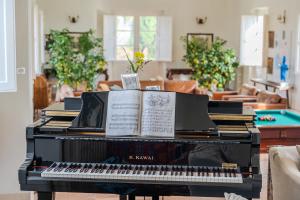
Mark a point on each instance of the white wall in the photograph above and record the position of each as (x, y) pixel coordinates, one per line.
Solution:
(276, 7)
(184, 15)
(16, 110)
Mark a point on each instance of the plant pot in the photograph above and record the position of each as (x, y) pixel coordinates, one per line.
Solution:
(77, 93)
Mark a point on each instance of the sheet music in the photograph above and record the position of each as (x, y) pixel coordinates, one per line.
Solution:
(123, 113)
(158, 114)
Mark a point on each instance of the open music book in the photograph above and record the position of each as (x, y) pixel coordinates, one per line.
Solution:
(144, 113)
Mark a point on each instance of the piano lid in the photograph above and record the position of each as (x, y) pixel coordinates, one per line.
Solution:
(191, 112)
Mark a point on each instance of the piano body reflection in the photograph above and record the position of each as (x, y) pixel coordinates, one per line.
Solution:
(216, 150)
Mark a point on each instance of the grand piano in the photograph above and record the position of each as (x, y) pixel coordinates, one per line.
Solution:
(215, 150)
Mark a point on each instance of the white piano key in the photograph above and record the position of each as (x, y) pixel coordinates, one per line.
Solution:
(179, 174)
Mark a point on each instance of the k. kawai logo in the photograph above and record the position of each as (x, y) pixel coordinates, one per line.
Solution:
(137, 157)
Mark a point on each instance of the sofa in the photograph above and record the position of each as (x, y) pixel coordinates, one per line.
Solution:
(264, 100)
(284, 174)
(190, 87)
(245, 91)
(253, 98)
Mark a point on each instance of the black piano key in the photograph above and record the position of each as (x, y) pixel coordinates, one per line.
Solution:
(135, 168)
(151, 170)
(172, 171)
(108, 170)
(139, 170)
(187, 171)
(234, 172)
(128, 169)
(154, 171)
(199, 171)
(166, 170)
(146, 170)
(120, 169)
(113, 169)
(192, 171)
(214, 172)
(124, 169)
(161, 170)
(181, 171)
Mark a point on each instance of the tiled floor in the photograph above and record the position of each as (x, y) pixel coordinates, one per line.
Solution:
(73, 196)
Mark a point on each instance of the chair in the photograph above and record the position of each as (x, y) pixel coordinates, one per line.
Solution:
(40, 94)
(284, 175)
(189, 87)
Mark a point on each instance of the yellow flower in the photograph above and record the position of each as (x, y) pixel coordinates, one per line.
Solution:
(139, 55)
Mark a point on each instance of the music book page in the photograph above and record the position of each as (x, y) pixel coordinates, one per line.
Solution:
(123, 113)
(158, 114)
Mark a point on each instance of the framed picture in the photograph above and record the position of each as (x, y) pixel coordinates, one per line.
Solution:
(270, 65)
(207, 37)
(130, 82)
(271, 39)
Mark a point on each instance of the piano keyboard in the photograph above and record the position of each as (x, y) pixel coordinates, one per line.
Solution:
(161, 173)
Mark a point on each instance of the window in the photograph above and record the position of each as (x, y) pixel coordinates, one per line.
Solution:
(124, 36)
(7, 46)
(252, 40)
(150, 34)
(298, 48)
(148, 37)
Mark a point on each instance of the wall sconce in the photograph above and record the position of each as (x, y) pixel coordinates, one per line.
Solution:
(282, 18)
(73, 19)
(201, 20)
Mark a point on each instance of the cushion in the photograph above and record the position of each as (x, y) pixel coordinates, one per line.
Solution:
(63, 92)
(115, 88)
(268, 97)
(102, 87)
(248, 90)
(298, 149)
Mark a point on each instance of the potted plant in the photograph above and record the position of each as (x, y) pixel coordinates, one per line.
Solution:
(76, 63)
(213, 65)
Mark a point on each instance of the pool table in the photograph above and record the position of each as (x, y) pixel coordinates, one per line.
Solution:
(285, 130)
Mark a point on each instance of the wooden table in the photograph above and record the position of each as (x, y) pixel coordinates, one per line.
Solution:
(275, 86)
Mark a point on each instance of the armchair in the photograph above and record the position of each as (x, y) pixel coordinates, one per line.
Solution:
(284, 173)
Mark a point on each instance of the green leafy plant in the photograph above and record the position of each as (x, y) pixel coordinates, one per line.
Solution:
(213, 65)
(79, 62)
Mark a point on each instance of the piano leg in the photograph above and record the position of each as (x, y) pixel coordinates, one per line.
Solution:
(155, 197)
(123, 197)
(131, 197)
(45, 196)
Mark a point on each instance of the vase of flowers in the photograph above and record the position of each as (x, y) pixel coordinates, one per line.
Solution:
(131, 80)
(138, 61)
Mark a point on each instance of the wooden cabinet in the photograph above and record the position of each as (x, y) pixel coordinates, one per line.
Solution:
(287, 136)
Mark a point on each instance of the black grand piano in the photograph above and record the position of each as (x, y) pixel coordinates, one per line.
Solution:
(215, 150)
